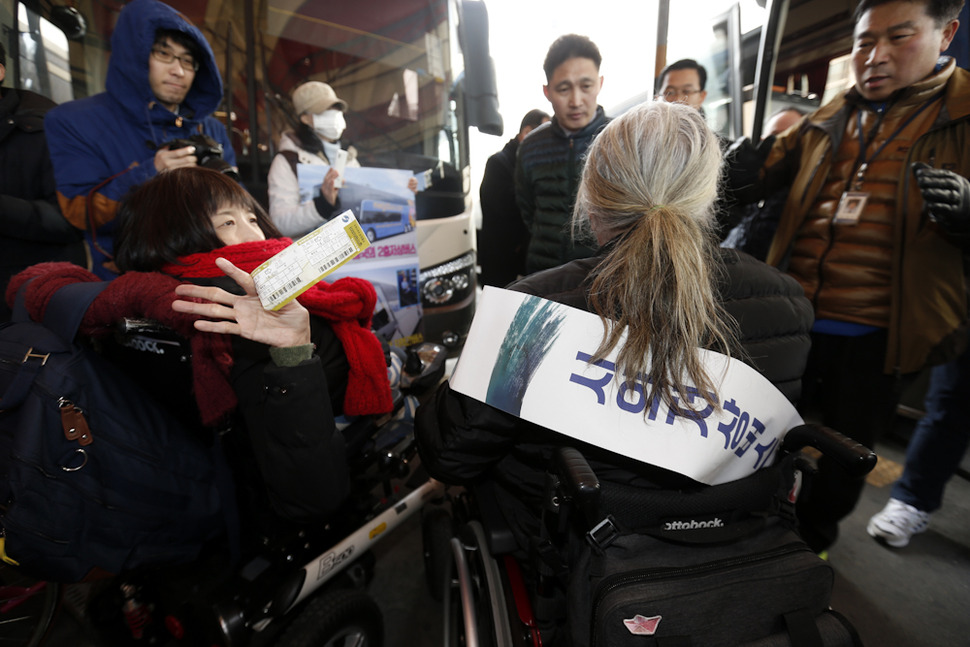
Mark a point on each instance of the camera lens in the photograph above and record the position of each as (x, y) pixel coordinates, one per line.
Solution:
(208, 154)
(221, 165)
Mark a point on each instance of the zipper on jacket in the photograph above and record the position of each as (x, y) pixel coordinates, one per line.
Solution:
(572, 161)
(811, 178)
(859, 164)
(619, 580)
(786, 259)
(564, 245)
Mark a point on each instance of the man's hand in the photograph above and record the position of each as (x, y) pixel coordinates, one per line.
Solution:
(946, 196)
(168, 159)
(744, 162)
(327, 189)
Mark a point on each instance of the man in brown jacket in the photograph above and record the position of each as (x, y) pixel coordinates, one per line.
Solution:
(873, 228)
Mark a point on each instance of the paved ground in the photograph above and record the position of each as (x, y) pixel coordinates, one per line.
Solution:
(916, 596)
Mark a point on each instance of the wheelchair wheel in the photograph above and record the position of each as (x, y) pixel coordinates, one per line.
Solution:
(436, 533)
(337, 618)
(27, 607)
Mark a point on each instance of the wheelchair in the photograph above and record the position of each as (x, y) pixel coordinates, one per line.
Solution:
(607, 550)
(285, 584)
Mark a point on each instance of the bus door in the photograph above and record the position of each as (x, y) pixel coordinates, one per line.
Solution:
(789, 54)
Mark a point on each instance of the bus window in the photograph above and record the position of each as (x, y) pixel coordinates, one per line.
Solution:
(40, 54)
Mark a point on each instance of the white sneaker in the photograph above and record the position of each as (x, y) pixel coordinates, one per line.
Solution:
(897, 522)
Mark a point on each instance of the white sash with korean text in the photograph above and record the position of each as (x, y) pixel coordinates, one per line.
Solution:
(530, 357)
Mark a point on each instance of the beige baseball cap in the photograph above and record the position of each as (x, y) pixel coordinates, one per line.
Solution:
(315, 97)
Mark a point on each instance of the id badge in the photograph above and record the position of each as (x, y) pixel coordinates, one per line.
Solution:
(850, 207)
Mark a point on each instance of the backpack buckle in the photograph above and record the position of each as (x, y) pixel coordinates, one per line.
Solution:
(603, 534)
(32, 355)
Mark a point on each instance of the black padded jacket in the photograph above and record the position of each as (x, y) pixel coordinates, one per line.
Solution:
(32, 229)
(464, 441)
(550, 163)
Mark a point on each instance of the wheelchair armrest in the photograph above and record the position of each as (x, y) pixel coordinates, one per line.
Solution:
(854, 458)
(578, 482)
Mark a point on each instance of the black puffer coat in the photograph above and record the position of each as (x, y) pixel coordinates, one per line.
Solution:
(503, 238)
(32, 229)
(462, 440)
(550, 163)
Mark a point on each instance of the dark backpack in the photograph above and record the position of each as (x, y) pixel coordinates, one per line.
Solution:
(716, 567)
(769, 589)
(94, 474)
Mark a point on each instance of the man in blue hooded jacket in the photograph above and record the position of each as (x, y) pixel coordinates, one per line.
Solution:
(162, 84)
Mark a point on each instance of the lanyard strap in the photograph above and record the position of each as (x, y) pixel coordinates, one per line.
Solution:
(863, 144)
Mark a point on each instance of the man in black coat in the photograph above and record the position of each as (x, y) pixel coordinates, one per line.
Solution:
(503, 239)
(550, 160)
(32, 229)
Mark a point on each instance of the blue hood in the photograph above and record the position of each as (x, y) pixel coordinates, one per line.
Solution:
(131, 45)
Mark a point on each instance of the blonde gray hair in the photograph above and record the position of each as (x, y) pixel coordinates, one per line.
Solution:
(650, 180)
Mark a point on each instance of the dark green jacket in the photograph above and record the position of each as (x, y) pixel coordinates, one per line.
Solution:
(550, 162)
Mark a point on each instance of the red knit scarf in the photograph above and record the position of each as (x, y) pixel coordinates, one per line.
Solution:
(347, 305)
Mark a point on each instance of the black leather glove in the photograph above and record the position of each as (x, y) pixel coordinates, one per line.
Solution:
(744, 162)
(946, 196)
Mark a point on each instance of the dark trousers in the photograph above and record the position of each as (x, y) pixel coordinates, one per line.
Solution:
(844, 388)
(940, 439)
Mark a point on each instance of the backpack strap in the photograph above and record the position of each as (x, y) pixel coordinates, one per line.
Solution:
(803, 629)
(66, 309)
(705, 515)
(708, 514)
(63, 316)
(292, 158)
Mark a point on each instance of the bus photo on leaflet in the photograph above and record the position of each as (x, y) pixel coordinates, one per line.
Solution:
(381, 219)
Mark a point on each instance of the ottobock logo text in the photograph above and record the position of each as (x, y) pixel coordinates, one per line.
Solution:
(693, 524)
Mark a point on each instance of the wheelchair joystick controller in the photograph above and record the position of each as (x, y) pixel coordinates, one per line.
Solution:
(413, 364)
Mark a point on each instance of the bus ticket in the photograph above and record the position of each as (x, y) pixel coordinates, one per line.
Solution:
(297, 268)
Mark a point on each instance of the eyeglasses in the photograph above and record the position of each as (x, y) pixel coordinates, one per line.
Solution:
(187, 61)
(672, 94)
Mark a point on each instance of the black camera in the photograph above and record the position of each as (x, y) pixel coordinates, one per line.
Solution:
(208, 153)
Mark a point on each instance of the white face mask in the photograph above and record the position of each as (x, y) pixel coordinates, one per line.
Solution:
(329, 124)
